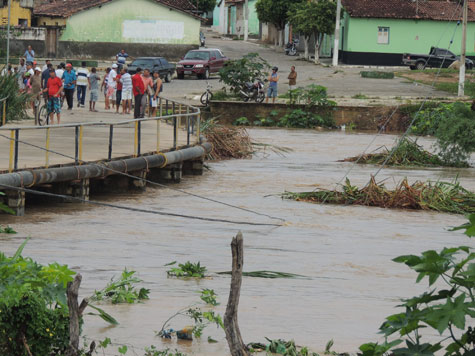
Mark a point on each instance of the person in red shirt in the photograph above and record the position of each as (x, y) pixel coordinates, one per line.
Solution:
(118, 94)
(54, 87)
(138, 89)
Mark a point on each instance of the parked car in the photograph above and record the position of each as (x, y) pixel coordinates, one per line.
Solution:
(202, 39)
(165, 69)
(437, 57)
(201, 62)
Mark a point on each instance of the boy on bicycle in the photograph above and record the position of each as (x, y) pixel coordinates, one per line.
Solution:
(54, 87)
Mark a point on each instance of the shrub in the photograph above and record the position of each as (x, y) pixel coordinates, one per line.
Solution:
(240, 71)
(17, 102)
(377, 74)
(427, 120)
(242, 121)
(455, 134)
(33, 306)
(299, 118)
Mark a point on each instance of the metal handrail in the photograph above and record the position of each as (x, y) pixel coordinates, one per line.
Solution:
(191, 112)
(4, 110)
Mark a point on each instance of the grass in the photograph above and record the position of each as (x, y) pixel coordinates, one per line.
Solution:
(377, 74)
(407, 154)
(439, 196)
(188, 269)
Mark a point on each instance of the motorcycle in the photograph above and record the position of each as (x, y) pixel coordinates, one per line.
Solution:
(253, 91)
(291, 48)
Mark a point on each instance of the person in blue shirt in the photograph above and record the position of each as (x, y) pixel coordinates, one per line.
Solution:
(29, 54)
(69, 83)
(273, 80)
(121, 59)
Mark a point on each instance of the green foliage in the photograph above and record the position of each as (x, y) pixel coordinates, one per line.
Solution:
(359, 96)
(153, 351)
(427, 120)
(7, 230)
(299, 118)
(377, 74)
(209, 297)
(246, 69)
(268, 121)
(189, 269)
(442, 309)
(223, 95)
(286, 348)
(122, 290)
(17, 102)
(33, 306)
(5, 208)
(469, 227)
(455, 134)
(206, 5)
(242, 121)
(274, 11)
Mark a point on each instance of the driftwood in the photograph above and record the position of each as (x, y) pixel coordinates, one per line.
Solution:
(231, 327)
(75, 314)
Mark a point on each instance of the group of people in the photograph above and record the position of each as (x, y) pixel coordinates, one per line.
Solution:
(57, 85)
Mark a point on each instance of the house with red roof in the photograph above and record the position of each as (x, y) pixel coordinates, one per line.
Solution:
(101, 28)
(378, 32)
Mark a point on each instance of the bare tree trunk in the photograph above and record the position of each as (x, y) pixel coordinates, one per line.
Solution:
(231, 327)
(317, 49)
(305, 43)
(75, 314)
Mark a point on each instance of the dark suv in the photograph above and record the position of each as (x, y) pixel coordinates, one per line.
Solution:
(153, 64)
(201, 62)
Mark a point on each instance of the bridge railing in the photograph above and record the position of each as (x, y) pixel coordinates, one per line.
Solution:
(3, 111)
(182, 116)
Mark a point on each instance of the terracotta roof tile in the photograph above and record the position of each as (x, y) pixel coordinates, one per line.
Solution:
(66, 8)
(439, 10)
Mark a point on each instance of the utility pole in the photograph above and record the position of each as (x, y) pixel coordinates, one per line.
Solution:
(8, 30)
(336, 46)
(461, 91)
(246, 19)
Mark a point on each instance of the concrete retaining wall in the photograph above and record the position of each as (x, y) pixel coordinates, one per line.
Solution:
(364, 117)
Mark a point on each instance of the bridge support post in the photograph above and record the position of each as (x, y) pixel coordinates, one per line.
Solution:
(80, 189)
(138, 184)
(15, 200)
(193, 167)
(169, 174)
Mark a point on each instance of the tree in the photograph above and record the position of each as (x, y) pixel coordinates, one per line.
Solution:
(276, 13)
(313, 17)
(206, 5)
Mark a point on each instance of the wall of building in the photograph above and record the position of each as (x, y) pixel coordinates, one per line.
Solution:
(51, 21)
(21, 38)
(360, 39)
(16, 13)
(253, 19)
(144, 22)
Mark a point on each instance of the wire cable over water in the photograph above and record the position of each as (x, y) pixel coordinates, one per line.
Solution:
(104, 166)
(123, 207)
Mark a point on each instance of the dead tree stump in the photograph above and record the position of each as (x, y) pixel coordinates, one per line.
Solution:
(231, 327)
(75, 314)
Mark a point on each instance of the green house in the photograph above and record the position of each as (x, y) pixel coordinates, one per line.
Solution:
(101, 28)
(378, 32)
(228, 17)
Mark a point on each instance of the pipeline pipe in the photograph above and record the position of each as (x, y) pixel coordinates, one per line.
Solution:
(100, 170)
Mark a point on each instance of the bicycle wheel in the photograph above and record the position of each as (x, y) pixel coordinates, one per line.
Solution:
(206, 97)
(43, 116)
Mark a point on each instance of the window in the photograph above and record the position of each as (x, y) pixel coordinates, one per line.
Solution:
(164, 62)
(383, 35)
(23, 22)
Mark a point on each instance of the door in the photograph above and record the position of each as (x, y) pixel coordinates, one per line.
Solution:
(51, 41)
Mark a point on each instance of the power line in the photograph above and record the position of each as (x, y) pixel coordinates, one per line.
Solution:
(122, 207)
(104, 166)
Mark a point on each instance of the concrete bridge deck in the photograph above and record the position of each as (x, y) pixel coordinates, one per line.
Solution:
(95, 145)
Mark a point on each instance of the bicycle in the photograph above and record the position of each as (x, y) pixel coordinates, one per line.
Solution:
(41, 114)
(207, 96)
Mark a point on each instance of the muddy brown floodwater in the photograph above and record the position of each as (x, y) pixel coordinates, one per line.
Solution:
(345, 252)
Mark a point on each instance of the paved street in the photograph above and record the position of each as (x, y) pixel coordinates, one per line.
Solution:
(344, 81)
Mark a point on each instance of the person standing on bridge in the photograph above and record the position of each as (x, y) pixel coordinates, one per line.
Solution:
(69, 80)
(273, 80)
(82, 83)
(54, 88)
(138, 88)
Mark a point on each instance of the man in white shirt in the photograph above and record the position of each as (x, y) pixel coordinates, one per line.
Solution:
(46, 65)
(112, 84)
(60, 70)
(127, 95)
(82, 83)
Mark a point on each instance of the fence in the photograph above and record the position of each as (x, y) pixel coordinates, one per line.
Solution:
(182, 116)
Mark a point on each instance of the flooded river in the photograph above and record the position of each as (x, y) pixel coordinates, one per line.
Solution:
(344, 252)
